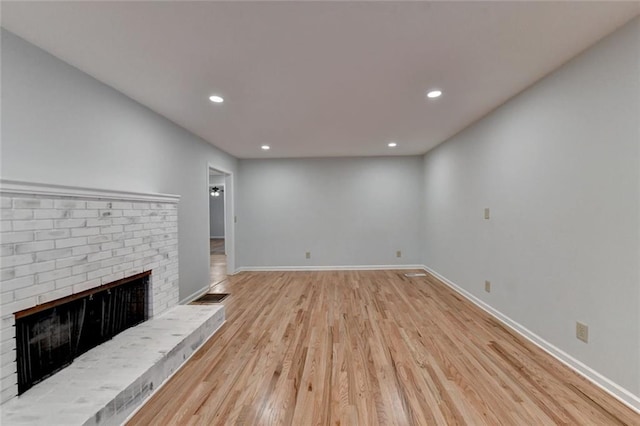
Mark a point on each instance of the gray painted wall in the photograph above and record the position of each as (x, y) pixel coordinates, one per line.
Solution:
(559, 167)
(345, 211)
(59, 125)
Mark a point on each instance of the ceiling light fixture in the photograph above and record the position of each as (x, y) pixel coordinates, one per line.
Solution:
(216, 99)
(392, 144)
(432, 94)
(265, 147)
(215, 191)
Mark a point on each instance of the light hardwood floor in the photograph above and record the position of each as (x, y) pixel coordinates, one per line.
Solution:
(218, 268)
(216, 246)
(367, 348)
(218, 260)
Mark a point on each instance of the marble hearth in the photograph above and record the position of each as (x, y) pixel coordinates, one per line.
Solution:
(106, 385)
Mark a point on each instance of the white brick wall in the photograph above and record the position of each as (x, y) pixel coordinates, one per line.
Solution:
(52, 246)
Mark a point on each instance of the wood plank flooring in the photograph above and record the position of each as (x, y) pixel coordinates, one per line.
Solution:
(368, 348)
(217, 268)
(216, 246)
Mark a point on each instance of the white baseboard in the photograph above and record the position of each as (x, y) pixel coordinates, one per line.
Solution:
(220, 237)
(623, 395)
(193, 296)
(325, 268)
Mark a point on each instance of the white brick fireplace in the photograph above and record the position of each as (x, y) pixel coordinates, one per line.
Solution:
(57, 241)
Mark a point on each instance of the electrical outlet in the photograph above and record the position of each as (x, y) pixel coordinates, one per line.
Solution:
(308, 255)
(487, 213)
(398, 253)
(487, 286)
(582, 332)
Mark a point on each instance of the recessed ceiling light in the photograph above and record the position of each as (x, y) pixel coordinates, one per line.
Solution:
(217, 99)
(434, 94)
(265, 147)
(392, 144)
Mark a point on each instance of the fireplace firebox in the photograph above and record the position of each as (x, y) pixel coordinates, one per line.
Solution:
(51, 335)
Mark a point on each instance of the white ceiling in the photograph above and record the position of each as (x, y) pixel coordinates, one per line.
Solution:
(316, 79)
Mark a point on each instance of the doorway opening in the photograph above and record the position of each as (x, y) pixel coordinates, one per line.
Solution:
(219, 238)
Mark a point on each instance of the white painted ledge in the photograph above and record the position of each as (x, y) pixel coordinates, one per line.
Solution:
(32, 188)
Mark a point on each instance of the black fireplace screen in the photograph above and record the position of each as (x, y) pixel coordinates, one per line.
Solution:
(49, 340)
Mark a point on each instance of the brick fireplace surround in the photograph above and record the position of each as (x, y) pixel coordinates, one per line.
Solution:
(57, 241)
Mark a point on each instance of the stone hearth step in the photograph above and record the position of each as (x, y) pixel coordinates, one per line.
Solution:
(106, 384)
